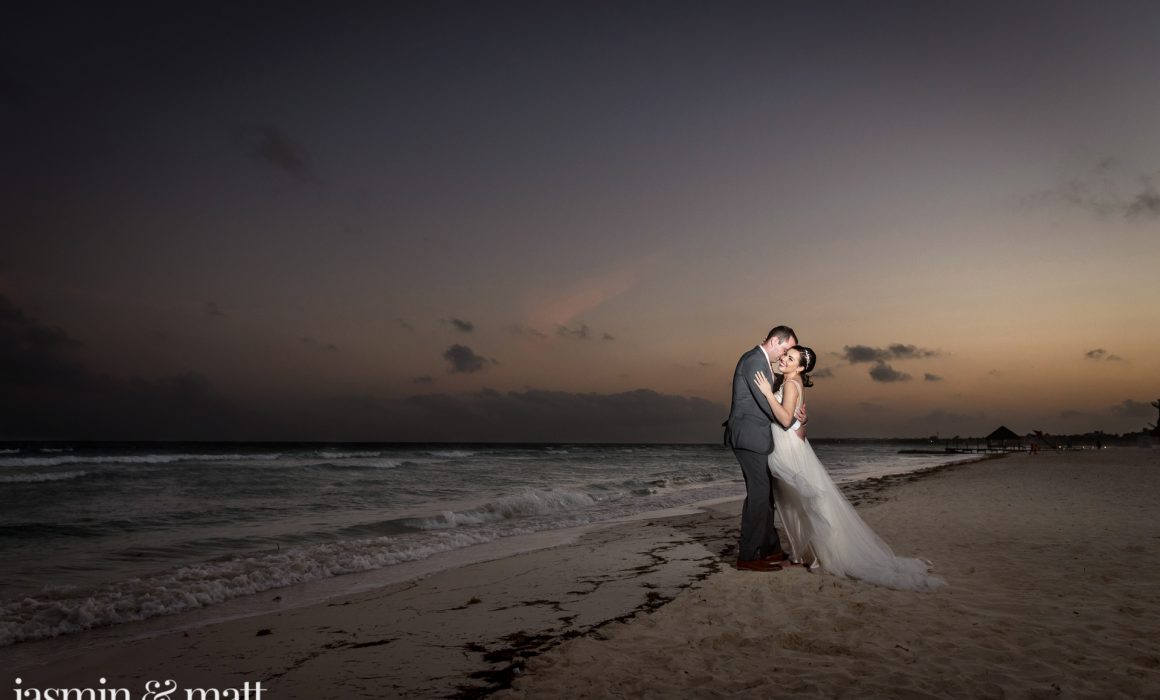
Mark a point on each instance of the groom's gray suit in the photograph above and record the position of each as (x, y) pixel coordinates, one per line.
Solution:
(747, 431)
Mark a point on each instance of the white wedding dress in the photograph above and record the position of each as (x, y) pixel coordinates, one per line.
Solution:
(823, 528)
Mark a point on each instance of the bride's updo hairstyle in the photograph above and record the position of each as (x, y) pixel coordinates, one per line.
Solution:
(807, 358)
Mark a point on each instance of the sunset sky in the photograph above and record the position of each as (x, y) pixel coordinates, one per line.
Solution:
(566, 221)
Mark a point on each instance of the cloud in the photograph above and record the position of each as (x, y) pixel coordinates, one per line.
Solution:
(1101, 354)
(931, 377)
(855, 354)
(50, 393)
(863, 353)
(1134, 409)
(460, 324)
(882, 372)
(270, 145)
(404, 325)
(1102, 193)
(902, 351)
(520, 329)
(580, 333)
(212, 308)
(425, 379)
(586, 294)
(1146, 205)
(463, 359)
(826, 373)
(538, 415)
(33, 354)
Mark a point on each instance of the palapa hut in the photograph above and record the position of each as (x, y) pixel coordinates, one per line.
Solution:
(1002, 435)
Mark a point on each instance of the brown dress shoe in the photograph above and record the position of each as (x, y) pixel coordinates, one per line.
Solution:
(775, 557)
(757, 565)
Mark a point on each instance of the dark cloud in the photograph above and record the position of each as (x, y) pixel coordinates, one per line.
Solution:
(900, 351)
(1134, 409)
(463, 359)
(460, 324)
(826, 373)
(535, 414)
(1146, 205)
(580, 333)
(706, 364)
(928, 377)
(50, 393)
(212, 308)
(270, 145)
(33, 354)
(519, 329)
(863, 353)
(882, 372)
(855, 354)
(1101, 354)
(1102, 192)
(404, 325)
(608, 336)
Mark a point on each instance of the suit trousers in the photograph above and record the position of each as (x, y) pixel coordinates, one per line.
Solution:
(758, 534)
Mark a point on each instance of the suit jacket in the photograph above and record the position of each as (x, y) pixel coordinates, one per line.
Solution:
(750, 416)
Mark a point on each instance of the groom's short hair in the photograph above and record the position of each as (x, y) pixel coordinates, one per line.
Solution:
(783, 333)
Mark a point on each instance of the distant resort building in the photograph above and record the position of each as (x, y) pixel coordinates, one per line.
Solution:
(1003, 440)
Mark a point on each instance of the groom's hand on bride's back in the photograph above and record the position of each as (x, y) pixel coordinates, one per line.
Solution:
(800, 414)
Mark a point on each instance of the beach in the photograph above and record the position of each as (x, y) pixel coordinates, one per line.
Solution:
(1052, 561)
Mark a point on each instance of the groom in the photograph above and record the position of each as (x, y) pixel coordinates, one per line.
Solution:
(747, 431)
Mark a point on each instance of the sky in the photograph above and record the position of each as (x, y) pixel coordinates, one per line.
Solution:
(566, 221)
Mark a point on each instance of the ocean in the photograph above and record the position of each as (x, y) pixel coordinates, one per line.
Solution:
(99, 534)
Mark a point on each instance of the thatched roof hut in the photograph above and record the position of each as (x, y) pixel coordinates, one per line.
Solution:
(1003, 439)
(1002, 434)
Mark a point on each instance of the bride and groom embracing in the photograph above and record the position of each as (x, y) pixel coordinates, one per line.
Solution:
(766, 430)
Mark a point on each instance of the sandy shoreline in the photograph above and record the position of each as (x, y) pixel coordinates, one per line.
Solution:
(1053, 562)
(462, 631)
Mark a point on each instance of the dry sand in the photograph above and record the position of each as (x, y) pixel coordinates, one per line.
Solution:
(1053, 563)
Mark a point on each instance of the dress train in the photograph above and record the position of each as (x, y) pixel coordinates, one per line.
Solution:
(823, 528)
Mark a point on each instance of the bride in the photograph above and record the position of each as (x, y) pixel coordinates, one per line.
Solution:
(823, 528)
